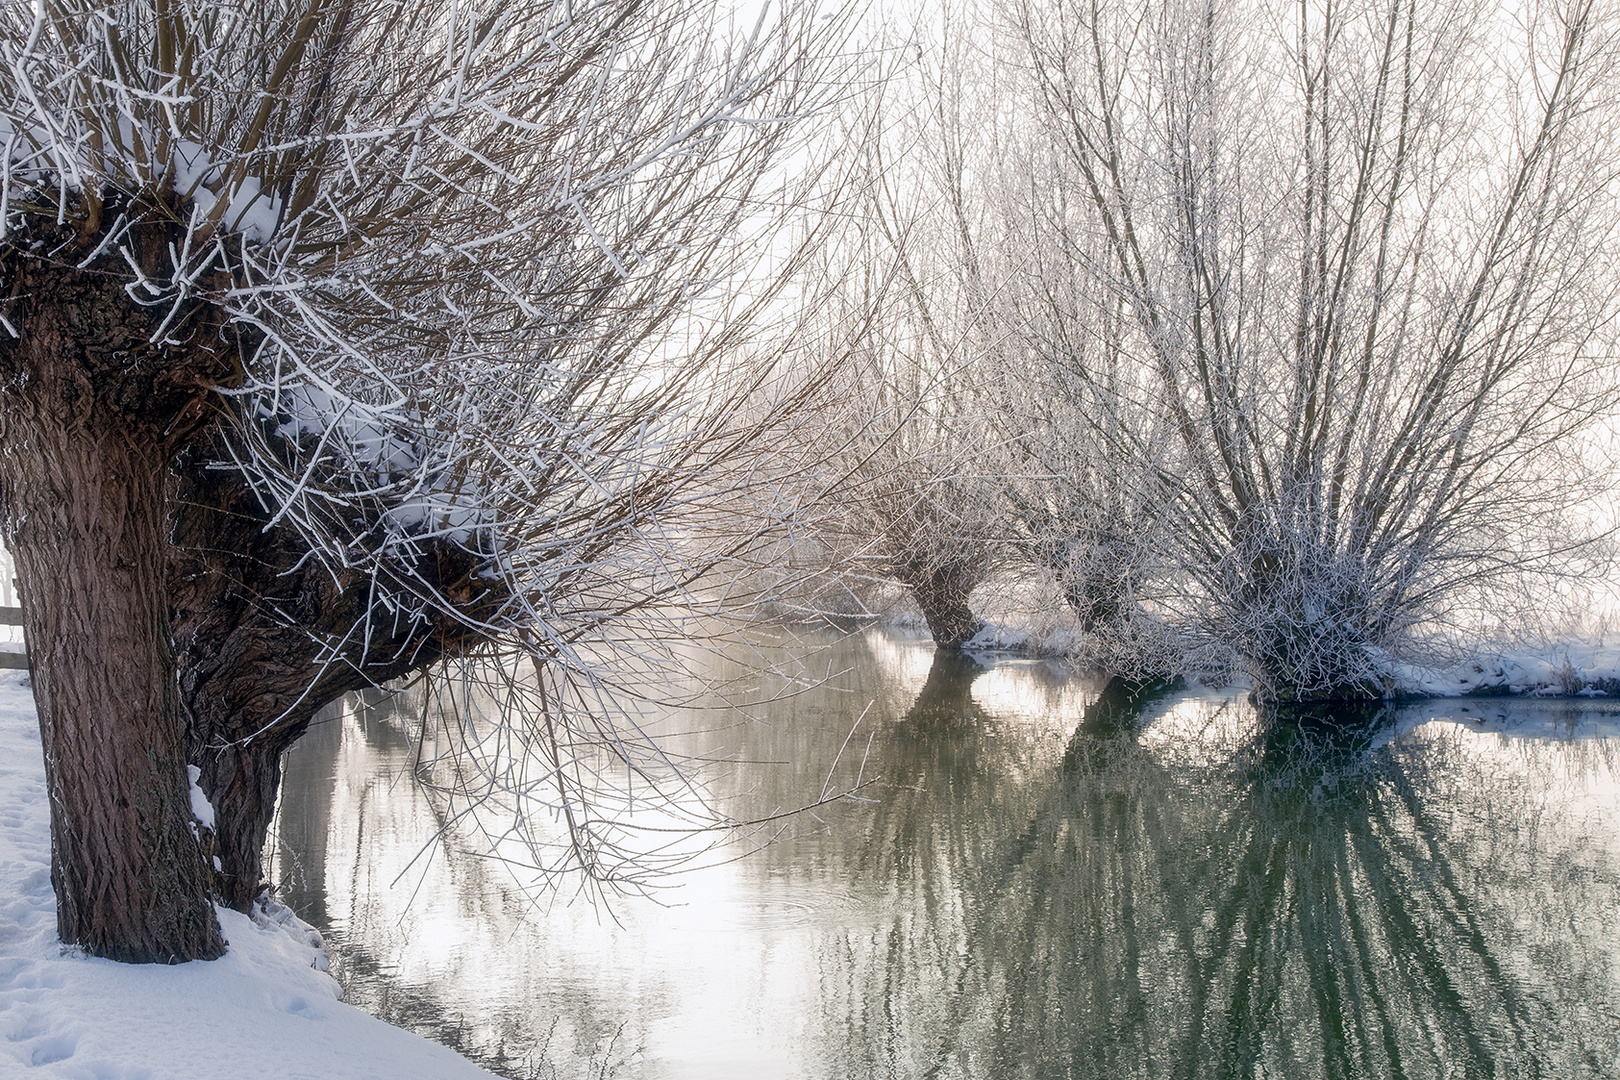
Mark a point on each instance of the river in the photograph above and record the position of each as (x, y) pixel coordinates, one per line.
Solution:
(1038, 885)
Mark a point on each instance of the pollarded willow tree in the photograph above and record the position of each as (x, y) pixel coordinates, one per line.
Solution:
(1052, 362)
(910, 499)
(917, 470)
(1367, 254)
(1091, 515)
(993, 364)
(447, 291)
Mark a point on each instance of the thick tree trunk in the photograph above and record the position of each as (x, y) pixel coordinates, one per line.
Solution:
(266, 638)
(129, 877)
(90, 410)
(1101, 606)
(264, 644)
(943, 597)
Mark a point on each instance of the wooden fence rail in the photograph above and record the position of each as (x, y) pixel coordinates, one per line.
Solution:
(12, 616)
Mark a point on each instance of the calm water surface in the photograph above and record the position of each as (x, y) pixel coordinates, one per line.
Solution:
(1044, 886)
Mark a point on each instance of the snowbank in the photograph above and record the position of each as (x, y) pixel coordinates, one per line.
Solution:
(1571, 668)
(1568, 669)
(266, 1009)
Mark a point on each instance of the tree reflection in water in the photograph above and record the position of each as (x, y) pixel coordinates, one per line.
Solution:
(1142, 884)
(1299, 903)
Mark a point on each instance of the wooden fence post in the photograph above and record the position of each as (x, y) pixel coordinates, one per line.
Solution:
(12, 616)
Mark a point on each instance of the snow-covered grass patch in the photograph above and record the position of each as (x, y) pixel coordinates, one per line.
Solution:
(1031, 637)
(268, 1007)
(1567, 669)
(1579, 669)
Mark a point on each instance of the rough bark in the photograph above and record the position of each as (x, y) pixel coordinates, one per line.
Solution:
(942, 594)
(266, 638)
(91, 412)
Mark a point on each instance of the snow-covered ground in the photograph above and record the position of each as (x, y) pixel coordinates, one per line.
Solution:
(265, 1009)
(1571, 668)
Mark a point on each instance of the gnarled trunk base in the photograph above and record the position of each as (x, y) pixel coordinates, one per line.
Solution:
(266, 638)
(943, 598)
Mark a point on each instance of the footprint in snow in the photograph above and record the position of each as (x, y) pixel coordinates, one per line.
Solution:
(25, 975)
(49, 1051)
(300, 1006)
(23, 1026)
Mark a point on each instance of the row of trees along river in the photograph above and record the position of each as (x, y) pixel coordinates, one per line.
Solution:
(1042, 882)
(534, 347)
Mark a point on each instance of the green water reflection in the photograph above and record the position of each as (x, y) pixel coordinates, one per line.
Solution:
(1046, 885)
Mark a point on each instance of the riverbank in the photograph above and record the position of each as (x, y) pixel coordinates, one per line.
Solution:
(1571, 668)
(266, 1009)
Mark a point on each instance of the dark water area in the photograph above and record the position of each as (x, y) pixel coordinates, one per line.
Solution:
(1040, 885)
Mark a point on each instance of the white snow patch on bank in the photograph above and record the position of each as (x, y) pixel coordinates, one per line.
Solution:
(1569, 668)
(266, 1008)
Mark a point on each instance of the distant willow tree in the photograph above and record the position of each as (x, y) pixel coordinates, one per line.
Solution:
(987, 433)
(440, 294)
(918, 470)
(912, 503)
(1365, 253)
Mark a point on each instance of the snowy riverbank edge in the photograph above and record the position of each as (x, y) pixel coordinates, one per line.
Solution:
(264, 1009)
(1565, 669)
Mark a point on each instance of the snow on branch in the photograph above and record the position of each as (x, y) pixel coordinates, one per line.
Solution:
(485, 264)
